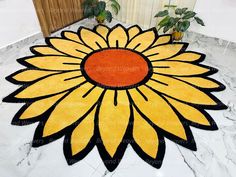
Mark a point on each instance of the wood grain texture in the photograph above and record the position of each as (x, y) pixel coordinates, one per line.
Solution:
(42, 17)
(56, 14)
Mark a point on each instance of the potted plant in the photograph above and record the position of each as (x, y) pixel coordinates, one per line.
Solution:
(178, 23)
(98, 9)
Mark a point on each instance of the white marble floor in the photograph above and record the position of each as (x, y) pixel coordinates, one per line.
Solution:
(215, 157)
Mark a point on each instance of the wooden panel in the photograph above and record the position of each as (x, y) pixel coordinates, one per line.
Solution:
(42, 17)
(56, 14)
(52, 13)
(78, 12)
(66, 11)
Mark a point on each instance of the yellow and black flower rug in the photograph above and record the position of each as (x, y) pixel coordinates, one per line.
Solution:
(113, 87)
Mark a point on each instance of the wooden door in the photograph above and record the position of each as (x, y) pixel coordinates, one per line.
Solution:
(56, 14)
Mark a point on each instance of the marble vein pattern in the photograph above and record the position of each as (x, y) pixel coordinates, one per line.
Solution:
(215, 157)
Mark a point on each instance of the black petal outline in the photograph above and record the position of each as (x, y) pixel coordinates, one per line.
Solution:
(112, 162)
(39, 140)
(157, 162)
(189, 143)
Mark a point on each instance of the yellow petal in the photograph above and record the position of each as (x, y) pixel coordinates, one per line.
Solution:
(200, 82)
(187, 56)
(92, 39)
(142, 41)
(57, 63)
(188, 112)
(102, 30)
(113, 120)
(177, 68)
(72, 36)
(39, 107)
(118, 37)
(82, 134)
(133, 31)
(71, 109)
(45, 50)
(70, 47)
(163, 51)
(32, 75)
(145, 135)
(52, 85)
(162, 40)
(156, 109)
(179, 90)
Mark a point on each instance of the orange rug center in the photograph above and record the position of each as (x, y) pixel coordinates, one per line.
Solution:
(116, 68)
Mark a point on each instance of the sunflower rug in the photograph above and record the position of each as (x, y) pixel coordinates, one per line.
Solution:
(110, 88)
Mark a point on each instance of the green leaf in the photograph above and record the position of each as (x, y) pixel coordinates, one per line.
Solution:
(88, 12)
(184, 10)
(177, 27)
(178, 11)
(101, 5)
(96, 11)
(114, 8)
(189, 14)
(162, 13)
(164, 21)
(171, 22)
(108, 16)
(116, 4)
(176, 20)
(186, 25)
(199, 21)
(183, 26)
(89, 2)
(165, 29)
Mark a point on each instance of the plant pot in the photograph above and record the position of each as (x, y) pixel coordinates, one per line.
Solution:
(100, 19)
(177, 35)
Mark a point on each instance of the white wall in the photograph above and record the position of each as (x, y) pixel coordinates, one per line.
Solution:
(219, 17)
(18, 20)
